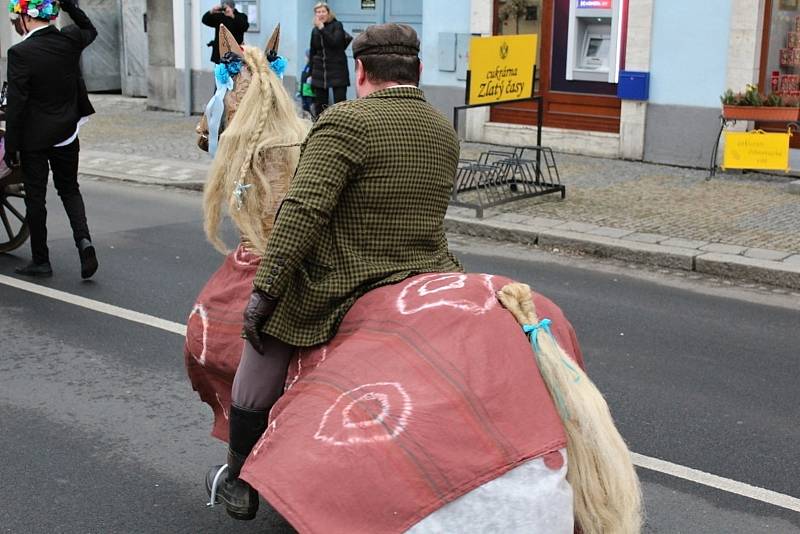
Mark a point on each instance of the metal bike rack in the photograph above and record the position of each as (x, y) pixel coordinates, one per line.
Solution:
(498, 177)
(501, 176)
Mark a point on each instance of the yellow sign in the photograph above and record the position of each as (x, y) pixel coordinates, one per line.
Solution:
(501, 68)
(756, 150)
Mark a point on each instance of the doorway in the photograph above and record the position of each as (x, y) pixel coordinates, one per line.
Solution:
(117, 60)
(574, 105)
(356, 15)
(134, 58)
(100, 62)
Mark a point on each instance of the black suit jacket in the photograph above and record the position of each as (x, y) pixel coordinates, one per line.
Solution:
(46, 92)
(237, 25)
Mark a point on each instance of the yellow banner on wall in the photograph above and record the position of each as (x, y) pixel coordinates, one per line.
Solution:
(501, 68)
(756, 150)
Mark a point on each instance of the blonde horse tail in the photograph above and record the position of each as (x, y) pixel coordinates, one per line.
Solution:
(607, 495)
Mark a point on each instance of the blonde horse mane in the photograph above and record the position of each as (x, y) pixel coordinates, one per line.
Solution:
(608, 497)
(256, 157)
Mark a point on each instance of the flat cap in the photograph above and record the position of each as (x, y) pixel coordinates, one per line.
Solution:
(381, 39)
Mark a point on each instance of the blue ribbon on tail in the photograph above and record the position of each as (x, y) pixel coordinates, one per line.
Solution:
(532, 331)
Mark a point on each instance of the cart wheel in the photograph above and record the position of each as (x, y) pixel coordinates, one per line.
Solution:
(13, 228)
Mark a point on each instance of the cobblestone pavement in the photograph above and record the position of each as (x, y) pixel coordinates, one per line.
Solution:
(125, 126)
(749, 210)
(637, 201)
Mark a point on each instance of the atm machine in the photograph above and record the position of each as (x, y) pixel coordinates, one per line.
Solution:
(593, 45)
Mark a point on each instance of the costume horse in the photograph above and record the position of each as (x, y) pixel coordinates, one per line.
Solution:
(448, 402)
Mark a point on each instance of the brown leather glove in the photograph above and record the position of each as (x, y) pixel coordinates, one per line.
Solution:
(259, 308)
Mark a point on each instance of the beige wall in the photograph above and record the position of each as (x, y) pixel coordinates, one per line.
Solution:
(481, 13)
(744, 48)
(633, 117)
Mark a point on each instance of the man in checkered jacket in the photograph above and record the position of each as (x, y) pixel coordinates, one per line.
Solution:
(366, 208)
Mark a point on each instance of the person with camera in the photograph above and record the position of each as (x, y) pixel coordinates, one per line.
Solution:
(227, 15)
(47, 103)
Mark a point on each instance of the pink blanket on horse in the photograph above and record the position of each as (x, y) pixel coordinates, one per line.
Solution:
(429, 390)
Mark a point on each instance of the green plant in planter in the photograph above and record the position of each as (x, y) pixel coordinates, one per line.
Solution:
(791, 101)
(774, 101)
(751, 97)
(729, 98)
(752, 105)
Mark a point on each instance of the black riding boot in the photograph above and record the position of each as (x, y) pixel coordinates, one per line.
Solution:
(240, 500)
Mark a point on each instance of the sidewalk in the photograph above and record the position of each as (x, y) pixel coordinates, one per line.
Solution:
(744, 226)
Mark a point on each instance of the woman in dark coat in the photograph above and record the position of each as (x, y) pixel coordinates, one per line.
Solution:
(328, 60)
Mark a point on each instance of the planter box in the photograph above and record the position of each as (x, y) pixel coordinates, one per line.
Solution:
(760, 113)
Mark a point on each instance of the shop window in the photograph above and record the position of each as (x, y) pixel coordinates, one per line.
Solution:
(521, 17)
(782, 53)
(251, 9)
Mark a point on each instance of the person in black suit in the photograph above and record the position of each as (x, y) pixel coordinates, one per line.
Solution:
(47, 103)
(225, 14)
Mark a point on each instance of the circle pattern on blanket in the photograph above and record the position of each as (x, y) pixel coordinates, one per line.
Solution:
(368, 410)
(370, 413)
(197, 344)
(472, 293)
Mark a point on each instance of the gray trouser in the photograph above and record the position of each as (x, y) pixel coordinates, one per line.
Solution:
(260, 378)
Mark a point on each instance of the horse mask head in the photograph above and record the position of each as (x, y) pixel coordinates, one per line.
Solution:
(256, 155)
(232, 78)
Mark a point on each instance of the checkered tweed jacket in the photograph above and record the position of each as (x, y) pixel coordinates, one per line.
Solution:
(366, 208)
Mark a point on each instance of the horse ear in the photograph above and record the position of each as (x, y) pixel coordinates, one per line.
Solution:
(274, 41)
(227, 43)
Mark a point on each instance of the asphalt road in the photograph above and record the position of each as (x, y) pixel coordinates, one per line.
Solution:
(100, 431)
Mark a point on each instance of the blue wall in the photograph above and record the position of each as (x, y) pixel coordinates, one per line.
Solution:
(302, 23)
(451, 16)
(295, 18)
(689, 52)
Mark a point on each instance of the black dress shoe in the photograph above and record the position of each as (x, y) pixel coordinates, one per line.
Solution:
(239, 498)
(41, 270)
(88, 258)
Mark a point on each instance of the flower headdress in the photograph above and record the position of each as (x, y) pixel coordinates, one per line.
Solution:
(38, 9)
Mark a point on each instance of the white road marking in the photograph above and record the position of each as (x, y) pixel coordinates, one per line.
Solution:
(713, 481)
(89, 304)
(653, 464)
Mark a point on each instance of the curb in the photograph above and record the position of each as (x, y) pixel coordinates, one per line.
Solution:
(532, 234)
(749, 268)
(132, 179)
(133, 168)
(725, 265)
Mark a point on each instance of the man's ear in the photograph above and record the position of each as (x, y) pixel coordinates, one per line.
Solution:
(361, 74)
(420, 69)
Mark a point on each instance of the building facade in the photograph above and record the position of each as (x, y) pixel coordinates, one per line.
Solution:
(180, 39)
(692, 52)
